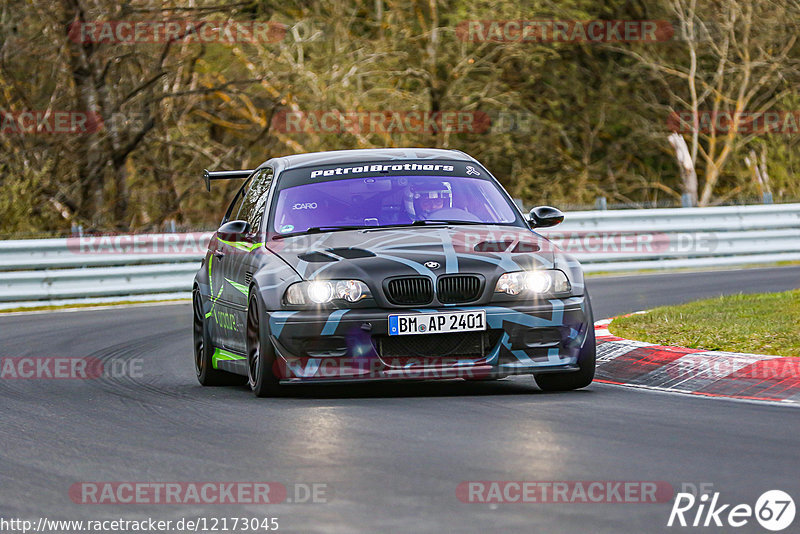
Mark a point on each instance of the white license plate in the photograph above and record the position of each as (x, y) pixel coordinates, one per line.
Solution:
(437, 323)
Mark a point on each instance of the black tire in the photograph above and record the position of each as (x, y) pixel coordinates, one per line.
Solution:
(260, 353)
(204, 348)
(586, 364)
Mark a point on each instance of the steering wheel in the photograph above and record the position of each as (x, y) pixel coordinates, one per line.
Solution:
(454, 214)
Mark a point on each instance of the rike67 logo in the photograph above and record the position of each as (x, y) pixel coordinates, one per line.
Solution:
(774, 510)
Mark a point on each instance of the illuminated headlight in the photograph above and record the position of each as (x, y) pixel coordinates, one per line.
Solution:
(325, 291)
(320, 292)
(533, 282)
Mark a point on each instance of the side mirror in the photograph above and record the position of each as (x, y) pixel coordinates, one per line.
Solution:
(545, 216)
(233, 230)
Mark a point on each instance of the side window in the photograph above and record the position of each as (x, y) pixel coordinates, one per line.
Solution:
(252, 209)
(236, 205)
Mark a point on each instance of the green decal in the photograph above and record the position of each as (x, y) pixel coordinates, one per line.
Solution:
(210, 280)
(226, 320)
(242, 288)
(211, 284)
(222, 354)
(247, 247)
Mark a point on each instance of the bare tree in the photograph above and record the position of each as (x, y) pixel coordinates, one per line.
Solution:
(740, 61)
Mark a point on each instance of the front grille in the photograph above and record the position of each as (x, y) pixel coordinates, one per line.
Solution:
(412, 290)
(454, 345)
(458, 289)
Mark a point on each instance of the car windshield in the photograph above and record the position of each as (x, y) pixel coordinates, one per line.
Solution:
(391, 201)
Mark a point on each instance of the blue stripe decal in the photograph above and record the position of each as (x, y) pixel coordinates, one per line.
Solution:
(558, 310)
(553, 356)
(495, 319)
(332, 322)
(451, 258)
(277, 320)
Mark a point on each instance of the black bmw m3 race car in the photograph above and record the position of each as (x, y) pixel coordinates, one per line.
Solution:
(386, 264)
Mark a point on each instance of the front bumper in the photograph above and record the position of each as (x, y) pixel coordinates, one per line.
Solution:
(353, 345)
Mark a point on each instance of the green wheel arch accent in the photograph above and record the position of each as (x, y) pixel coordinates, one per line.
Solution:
(222, 354)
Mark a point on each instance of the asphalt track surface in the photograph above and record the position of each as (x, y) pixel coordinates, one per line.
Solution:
(390, 455)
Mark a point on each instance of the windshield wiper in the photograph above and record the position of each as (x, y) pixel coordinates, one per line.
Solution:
(320, 229)
(422, 222)
(444, 221)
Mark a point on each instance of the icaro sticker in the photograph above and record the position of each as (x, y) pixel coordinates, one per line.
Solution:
(305, 206)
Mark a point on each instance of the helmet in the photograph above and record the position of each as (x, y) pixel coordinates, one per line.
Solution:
(424, 199)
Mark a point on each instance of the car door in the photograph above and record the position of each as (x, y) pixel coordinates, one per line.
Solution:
(238, 267)
(221, 254)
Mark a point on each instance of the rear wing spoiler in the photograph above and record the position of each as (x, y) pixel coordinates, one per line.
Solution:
(224, 175)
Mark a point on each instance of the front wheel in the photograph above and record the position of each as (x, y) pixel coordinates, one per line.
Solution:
(260, 353)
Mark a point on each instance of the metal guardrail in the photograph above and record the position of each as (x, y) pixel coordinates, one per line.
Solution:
(40, 272)
(625, 240)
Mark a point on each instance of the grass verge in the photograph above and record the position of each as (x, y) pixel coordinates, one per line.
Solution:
(768, 323)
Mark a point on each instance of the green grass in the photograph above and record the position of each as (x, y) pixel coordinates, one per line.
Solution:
(693, 269)
(763, 324)
(87, 305)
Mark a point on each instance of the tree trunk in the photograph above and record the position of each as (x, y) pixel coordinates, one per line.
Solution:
(686, 166)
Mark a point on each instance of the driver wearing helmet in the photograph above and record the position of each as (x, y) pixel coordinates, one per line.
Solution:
(423, 200)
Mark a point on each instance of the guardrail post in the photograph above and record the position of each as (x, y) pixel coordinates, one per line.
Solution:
(601, 204)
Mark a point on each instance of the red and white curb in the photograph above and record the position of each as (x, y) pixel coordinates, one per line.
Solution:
(753, 377)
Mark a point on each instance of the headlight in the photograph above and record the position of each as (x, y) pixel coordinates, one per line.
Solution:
(533, 282)
(325, 291)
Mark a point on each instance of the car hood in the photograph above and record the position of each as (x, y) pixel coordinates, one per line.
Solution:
(383, 252)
